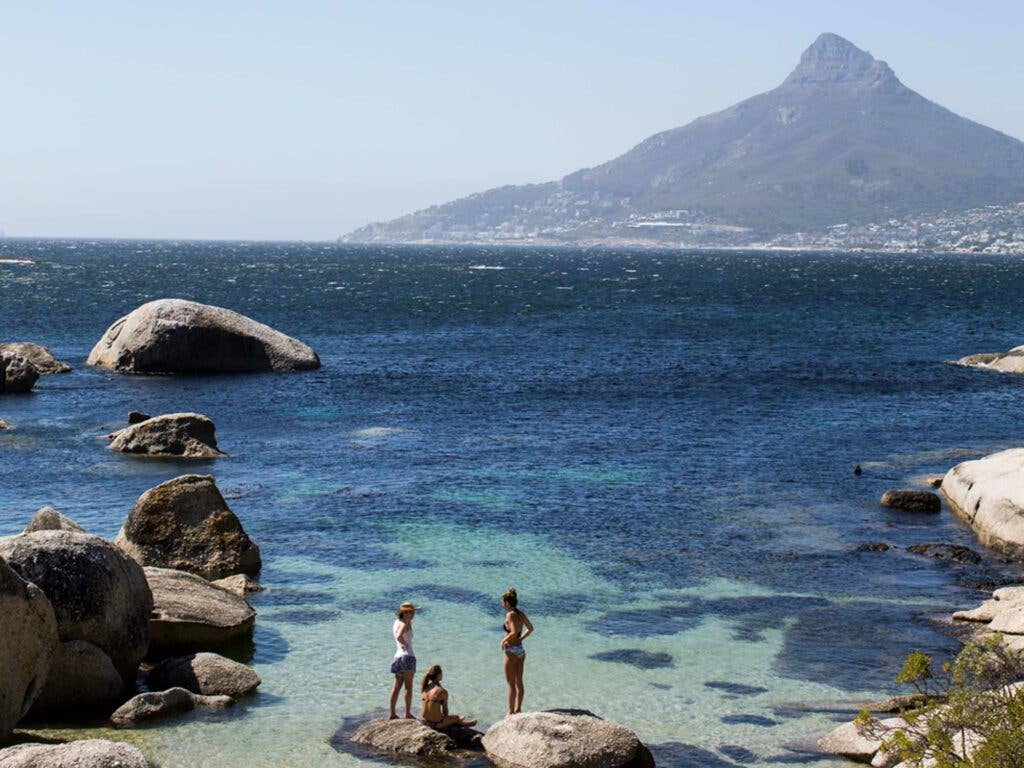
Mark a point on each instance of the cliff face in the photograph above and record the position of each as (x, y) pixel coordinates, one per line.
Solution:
(841, 140)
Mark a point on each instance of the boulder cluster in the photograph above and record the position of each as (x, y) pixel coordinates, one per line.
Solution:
(564, 738)
(80, 614)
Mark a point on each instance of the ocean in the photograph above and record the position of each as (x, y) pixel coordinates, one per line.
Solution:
(655, 448)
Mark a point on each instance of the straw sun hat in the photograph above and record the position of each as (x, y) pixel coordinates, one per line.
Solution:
(406, 607)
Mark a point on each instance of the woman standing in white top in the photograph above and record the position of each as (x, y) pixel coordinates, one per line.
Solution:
(403, 666)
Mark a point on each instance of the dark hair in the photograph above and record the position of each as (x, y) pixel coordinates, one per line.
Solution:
(430, 679)
(511, 597)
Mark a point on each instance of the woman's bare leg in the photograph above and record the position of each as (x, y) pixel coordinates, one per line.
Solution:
(520, 668)
(510, 676)
(394, 696)
(408, 695)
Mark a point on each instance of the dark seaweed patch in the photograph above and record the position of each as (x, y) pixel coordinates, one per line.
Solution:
(764, 722)
(739, 754)
(303, 616)
(675, 754)
(636, 657)
(735, 689)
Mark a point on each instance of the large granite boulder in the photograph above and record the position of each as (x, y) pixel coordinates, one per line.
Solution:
(99, 596)
(1004, 362)
(41, 358)
(206, 673)
(17, 374)
(178, 336)
(185, 524)
(564, 739)
(49, 519)
(90, 753)
(28, 640)
(178, 435)
(81, 676)
(191, 614)
(404, 738)
(988, 494)
(158, 704)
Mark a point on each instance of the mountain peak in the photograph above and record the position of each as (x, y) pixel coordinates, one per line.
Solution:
(834, 59)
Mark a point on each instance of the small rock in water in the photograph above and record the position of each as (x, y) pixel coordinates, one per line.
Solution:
(180, 435)
(135, 417)
(40, 357)
(874, 546)
(933, 481)
(4, 424)
(17, 374)
(410, 738)
(858, 471)
(941, 551)
(909, 500)
(241, 584)
(173, 701)
(208, 674)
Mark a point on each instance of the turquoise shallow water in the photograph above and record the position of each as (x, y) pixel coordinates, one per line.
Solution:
(659, 460)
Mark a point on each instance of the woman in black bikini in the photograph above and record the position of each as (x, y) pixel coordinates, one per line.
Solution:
(435, 703)
(517, 628)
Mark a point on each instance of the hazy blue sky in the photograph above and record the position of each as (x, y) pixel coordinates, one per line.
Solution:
(306, 119)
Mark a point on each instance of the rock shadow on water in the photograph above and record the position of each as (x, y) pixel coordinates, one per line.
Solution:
(735, 689)
(266, 645)
(636, 657)
(758, 720)
(303, 616)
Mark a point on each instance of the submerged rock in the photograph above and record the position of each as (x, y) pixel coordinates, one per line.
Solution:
(191, 614)
(409, 738)
(89, 753)
(179, 435)
(988, 494)
(28, 641)
(909, 500)
(206, 673)
(874, 546)
(49, 519)
(942, 551)
(41, 358)
(186, 525)
(99, 596)
(158, 704)
(178, 336)
(17, 374)
(564, 739)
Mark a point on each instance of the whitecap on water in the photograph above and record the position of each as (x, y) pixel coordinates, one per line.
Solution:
(378, 432)
(16, 261)
(484, 266)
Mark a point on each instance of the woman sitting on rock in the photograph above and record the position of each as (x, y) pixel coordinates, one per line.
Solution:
(403, 665)
(435, 703)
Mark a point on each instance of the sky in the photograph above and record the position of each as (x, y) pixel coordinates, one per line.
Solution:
(304, 120)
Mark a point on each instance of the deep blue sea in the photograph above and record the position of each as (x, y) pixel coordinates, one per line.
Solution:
(655, 448)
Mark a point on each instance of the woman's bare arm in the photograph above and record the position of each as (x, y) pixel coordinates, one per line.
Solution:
(528, 626)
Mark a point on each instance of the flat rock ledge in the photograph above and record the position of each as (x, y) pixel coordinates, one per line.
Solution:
(988, 494)
(173, 435)
(89, 753)
(160, 704)
(179, 336)
(40, 357)
(564, 739)
(208, 674)
(1002, 613)
(848, 741)
(1004, 362)
(191, 614)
